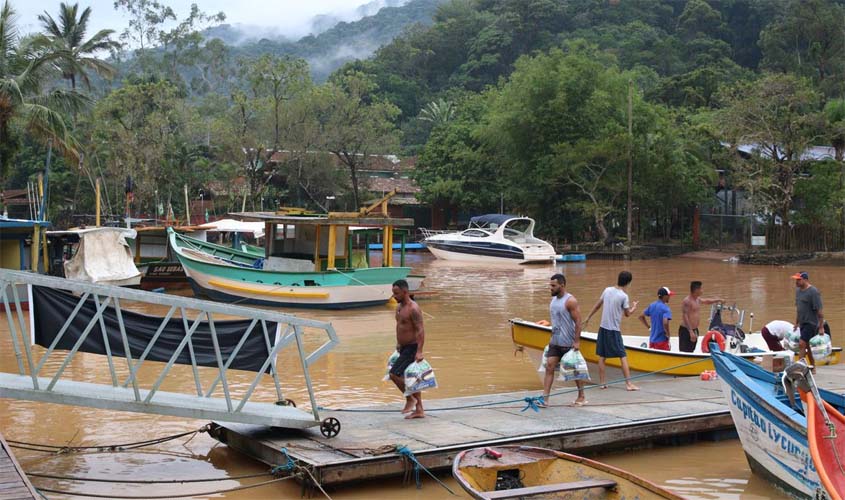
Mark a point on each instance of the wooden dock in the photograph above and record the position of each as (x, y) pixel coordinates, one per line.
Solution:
(664, 411)
(14, 484)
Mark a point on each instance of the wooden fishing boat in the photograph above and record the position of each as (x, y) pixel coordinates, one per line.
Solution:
(532, 338)
(826, 439)
(528, 472)
(225, 274)
(771, 424)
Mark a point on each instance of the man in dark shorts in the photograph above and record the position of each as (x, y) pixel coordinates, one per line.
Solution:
(566, 335)
(809, 318)
(614, 304)
(410, 337)
(691, 316)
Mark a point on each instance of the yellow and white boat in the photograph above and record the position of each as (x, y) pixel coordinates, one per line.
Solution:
(533, 338)
(499, 472)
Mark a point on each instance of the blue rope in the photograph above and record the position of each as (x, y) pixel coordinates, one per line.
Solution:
(532, 403)
(289, 466)
(407, 453)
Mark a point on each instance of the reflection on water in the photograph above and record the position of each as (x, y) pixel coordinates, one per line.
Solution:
(468, 343)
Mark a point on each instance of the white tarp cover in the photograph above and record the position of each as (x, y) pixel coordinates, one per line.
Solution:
(103, 256)
(235, 226)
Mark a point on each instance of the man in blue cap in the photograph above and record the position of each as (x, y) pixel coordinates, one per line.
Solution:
(809, 318)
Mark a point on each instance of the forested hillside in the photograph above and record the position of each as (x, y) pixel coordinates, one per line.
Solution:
(338, 44)
(546, 107)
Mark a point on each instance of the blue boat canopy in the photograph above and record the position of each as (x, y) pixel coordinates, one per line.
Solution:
(497, 219)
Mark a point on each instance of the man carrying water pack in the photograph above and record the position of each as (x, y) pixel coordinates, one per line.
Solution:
(566, 335)
(410, 337)
(809, 317)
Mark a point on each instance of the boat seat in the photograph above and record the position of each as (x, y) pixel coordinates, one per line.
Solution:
(551, 488)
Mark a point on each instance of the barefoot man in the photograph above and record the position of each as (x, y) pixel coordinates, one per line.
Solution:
(566, 335)
(691, 316)
(410, 337)
(614, 303)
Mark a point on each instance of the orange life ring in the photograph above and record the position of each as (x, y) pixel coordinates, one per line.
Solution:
(714, 336)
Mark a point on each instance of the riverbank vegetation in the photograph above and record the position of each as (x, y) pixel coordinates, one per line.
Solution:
(537, 106)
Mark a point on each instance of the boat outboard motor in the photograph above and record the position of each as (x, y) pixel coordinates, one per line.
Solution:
(732, 333)
(797, 376)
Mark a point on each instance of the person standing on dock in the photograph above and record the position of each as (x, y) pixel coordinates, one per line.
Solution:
(691, 316)
(660, 314)
(410, 336)
(614, 303)
(566, 335)
(809, 317)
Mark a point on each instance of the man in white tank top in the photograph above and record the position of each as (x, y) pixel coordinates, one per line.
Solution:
(566, 335)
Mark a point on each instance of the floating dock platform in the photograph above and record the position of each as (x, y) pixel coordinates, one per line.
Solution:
(14, 485)
(664, 411)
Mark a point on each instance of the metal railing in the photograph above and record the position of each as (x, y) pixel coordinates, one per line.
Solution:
(30, 384)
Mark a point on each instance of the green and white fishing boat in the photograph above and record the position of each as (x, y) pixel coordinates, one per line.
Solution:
(306, 263)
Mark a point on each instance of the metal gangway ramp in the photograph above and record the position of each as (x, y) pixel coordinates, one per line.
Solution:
(217, 400)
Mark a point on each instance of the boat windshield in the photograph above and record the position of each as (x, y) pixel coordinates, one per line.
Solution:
(518, 229)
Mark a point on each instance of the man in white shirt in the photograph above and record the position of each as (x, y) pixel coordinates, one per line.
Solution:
(774, 332)
(614, 303)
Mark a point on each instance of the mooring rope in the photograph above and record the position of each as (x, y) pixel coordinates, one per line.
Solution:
(146, 481)
(520, 400)
(50, 448)
(163, 497)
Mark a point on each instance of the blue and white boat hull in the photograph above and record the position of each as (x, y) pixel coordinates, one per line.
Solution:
(773, 435)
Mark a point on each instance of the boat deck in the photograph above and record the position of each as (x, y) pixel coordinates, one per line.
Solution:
(664, 411)
(14, 484)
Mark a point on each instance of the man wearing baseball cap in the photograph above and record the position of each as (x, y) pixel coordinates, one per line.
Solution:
(809, 318)
(660, 315)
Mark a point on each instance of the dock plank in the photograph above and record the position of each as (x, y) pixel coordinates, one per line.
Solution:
(664, 408)
(14, 484)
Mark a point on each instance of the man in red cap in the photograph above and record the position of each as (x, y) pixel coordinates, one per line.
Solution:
(809, 318)
(660, 315)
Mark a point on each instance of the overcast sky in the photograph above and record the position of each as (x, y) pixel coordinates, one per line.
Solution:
(290, 17)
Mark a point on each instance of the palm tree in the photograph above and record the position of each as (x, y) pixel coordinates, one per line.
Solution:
(24, 105)
(438, 112)
(66, 40)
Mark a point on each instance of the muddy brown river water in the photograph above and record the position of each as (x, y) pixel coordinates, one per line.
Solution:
(467, 342)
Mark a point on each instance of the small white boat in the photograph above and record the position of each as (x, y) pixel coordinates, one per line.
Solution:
(492, 238)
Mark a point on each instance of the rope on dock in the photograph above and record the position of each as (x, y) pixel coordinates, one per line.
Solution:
(409, 456)
(520, 400)
(58, 450)
(163, 497)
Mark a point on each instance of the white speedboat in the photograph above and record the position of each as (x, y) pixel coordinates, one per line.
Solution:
(493, 237)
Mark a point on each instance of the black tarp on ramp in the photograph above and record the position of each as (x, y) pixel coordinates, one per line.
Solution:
(50, 309)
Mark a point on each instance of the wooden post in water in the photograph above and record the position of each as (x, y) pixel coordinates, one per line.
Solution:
(317, 267)
(387, 247)
(630, 157)
(97, 202)
(187, 207)
(331, 246)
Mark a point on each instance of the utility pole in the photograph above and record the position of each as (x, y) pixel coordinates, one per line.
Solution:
(630, 156)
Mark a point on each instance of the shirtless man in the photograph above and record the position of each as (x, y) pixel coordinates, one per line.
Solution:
(691, 318)
(410, 337)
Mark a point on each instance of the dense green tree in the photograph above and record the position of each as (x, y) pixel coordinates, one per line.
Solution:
(777, 115)
(806, 38)
(354, 124)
